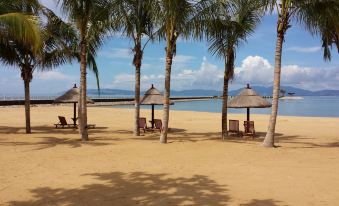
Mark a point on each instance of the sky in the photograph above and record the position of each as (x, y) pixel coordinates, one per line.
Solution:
(193, 66)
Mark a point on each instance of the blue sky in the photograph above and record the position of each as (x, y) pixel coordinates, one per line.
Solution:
(194, 67)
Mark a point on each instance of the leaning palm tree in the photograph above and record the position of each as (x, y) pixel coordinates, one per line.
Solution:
(91, 19)
(309, 13)
(232, 22)
(52, 53)
(18, 25)
(174, 18)
(136, 18)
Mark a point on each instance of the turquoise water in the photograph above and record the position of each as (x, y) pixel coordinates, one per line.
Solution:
(309, 106)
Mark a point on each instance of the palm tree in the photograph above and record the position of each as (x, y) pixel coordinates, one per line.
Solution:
(91, 18)
(310, 14)
(174, 18)
(234, 21)
(19, 26)
(137, 20)
(53, 52)
(327, 26)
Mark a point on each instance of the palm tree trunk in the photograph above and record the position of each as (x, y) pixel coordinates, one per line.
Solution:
(228, 74)
(165, 118)
(83, 86)
(27, 79)
(137, 63)
(224, 107)
(269, 139)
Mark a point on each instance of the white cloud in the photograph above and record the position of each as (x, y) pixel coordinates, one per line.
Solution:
(117, 53)
(183, 58)
(180, 60)
(54, 75)
(254, 70)
(207, 77)
(304, 49)
(126, 81)
(257, 70)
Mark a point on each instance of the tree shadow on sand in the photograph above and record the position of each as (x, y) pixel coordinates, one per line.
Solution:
(47, 129)
(267, 202)
(50, 142)
(54, 137)
(181, 135)
(135, 188)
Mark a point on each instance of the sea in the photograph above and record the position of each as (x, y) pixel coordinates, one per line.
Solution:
(309, 106)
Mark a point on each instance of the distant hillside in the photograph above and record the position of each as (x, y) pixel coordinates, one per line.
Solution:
(267, 91)
(110, 92)
(264, 91)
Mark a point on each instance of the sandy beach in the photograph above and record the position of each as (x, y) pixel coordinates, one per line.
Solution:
(53, 167)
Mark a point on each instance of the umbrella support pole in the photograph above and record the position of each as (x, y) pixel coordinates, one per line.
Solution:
(248, 114)
(75, 115)
(152, 116)
(248, 121)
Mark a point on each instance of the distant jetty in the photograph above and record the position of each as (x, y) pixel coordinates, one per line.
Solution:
(291, 98)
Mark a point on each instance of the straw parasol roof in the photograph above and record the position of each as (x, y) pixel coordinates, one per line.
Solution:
(71, 96)
(152, 97)
(248, 98)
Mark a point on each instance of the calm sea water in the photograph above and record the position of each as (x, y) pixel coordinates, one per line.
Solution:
(309, 106)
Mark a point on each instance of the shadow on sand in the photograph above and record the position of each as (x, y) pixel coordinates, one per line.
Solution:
(138, 188)
(56, 137)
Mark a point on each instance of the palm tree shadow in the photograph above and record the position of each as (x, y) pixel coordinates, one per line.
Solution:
(47, 129)
(50, 142)
(137, 188)
(54, 137)
(266, 202)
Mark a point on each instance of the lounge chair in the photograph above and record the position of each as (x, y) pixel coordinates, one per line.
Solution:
(89, 126)
(63, 123)
(142, 123)
(158, 124)
(233, 127)
(249, 128)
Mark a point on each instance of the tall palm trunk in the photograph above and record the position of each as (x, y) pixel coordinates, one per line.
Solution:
(83, 86)
(269, 139)
(228, 74)
(27, 77)
(165, 118)
(224, 108)
(137, 64)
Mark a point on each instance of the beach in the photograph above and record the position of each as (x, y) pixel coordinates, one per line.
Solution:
(53, 167)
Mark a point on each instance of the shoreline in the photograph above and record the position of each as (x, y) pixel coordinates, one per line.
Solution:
(125, 106)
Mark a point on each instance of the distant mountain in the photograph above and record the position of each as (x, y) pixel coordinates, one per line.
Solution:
(267, 91)
(193, 92)
(264, 91)
(110, 92)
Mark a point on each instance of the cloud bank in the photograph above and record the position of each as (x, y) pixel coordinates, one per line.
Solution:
(255, 70)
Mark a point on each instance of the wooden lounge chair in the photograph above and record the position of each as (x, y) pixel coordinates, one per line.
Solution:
(142, 123)
(233, 127)
(158, 125)
(63, 123)
(249, 128)
(89, 126)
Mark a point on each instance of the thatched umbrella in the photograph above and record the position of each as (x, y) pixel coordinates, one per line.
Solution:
(248, 98)
(152, 97)
(72, 96)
